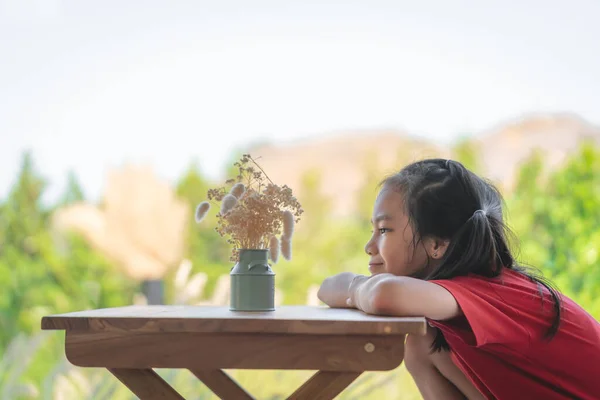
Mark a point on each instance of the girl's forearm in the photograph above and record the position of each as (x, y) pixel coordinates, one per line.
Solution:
(403, 296)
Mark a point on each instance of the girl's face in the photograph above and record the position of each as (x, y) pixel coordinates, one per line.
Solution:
(391, 247)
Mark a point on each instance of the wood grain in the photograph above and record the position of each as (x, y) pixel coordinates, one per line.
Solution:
(221, 384)
(235, 351)
(209, 319)
(324, 385)
(146, 384)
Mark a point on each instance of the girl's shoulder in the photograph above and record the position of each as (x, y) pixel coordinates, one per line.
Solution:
(511, 293)
(512, 306)
(510, 281)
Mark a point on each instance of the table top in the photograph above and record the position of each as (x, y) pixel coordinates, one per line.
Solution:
(311, 320)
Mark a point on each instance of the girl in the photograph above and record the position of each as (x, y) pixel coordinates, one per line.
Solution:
(439, 249)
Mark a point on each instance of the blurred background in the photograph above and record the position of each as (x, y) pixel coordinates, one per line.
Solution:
(116, 117)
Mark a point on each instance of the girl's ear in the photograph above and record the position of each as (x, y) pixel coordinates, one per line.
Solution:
(436, 247)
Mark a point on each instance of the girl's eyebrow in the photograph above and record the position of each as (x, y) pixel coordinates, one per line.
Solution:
(381, 217)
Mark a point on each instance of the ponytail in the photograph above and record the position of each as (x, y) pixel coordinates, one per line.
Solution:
(473, 249)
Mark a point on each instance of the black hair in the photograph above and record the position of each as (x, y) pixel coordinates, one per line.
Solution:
(445, 200)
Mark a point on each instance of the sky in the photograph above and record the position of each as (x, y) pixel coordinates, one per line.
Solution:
(88, 86)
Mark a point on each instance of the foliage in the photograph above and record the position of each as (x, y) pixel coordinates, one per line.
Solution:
(40, 275)
(556, 215)
(73, 193)
(204, 247)
(465, 150)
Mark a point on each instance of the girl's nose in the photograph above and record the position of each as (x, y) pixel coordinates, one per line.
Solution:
(369, 247)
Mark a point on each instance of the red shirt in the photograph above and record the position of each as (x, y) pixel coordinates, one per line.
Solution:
(499, 344)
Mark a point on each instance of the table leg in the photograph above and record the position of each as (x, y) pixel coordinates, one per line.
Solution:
(146, 384)
(221, 384)
(324, 385)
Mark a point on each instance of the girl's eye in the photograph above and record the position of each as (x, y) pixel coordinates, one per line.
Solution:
(383, 230)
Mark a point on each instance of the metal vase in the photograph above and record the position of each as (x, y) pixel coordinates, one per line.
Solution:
(252, 282)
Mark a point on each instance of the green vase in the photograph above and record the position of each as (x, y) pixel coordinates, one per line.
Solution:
(252, 282)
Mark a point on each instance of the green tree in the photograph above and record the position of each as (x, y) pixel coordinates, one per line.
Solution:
(37, 276)
(22, 220)
(466, 152)
(324, 243)
(368, 192)
(74, 192)
(208, 252)
(295, 276)
(556, 215)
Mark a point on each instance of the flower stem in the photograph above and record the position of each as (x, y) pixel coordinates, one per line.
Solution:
(259, 167)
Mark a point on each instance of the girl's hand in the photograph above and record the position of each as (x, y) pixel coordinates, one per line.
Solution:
(334, 291)
(361, 290)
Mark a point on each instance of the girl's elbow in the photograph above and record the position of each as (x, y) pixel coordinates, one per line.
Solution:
(379, 305)
(387, 298)
(383, 299)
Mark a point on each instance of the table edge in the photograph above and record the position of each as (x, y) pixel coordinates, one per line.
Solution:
(416, 325)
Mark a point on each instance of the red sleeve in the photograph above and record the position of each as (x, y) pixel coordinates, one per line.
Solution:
(496, 311)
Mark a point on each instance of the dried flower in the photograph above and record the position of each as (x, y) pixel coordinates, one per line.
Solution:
(227, 204)
(286, 248)
(238, 190)
(274, 249)
(254, 209)
(288, 225)
(202, 210)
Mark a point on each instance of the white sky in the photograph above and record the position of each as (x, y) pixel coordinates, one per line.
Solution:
(88, 85)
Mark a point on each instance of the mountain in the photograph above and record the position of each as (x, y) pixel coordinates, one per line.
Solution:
(342, 160)
(505, 147)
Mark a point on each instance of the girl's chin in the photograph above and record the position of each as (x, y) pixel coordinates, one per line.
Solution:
(376, 271)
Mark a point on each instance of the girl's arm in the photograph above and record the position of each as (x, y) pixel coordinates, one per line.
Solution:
(334, 291)
(401, 296)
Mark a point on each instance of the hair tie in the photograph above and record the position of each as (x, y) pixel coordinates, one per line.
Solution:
(480, 211)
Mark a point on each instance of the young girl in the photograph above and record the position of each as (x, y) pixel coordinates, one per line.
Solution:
(439, 249)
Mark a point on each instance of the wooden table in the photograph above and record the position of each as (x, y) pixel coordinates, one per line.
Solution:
(129, 341)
